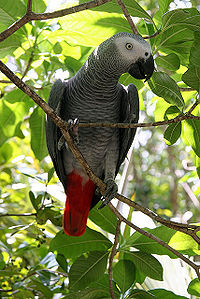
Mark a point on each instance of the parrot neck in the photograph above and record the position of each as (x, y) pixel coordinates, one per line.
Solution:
(98, 79)
(101, 71)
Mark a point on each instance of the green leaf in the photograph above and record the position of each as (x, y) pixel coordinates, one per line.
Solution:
(180, 16)
(146, 263)
(124, 274)
(178, 27)
(126, 79)
(194, 287)
(170, 62)
(148, 245)
(198, 165)
(9, 13)
(72, 247)
(104, 218)
(9, 45)
(35, 201)
(62, 261)
(39, 6)
(171, 112)
(133, 7)
(192, 134)
(37, 285)
(89, 293)
(172, 133)
(76, 27)
(140, 294)
(184, 243)
(38, 139)
(163, 5)
(161, 293)
(192, 77)
(57, 48)
(160, 110)
(194, 52)
(13, 109)
(87, 269)
(103, 283)
(164, 86)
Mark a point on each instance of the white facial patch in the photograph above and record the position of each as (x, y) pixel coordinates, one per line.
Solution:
(139, 49)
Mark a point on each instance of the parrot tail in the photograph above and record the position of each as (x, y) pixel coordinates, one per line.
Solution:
(78, 203)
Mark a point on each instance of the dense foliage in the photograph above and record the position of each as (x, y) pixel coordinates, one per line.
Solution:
(37, 260)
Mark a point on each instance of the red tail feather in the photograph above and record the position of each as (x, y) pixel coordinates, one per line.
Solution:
(77, 206)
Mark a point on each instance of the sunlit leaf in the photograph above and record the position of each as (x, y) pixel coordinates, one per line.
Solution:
(194, 287)
(38, 138)
(104, 218)
(72, 246)
(192, 134)
(170, 62)
(184, 243)
(133, 7)
(9, 13)
(172, 133)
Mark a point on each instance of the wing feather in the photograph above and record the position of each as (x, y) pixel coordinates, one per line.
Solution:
(129, 114)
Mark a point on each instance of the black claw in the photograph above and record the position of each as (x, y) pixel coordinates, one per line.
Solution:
(105, 202)
(73, 129)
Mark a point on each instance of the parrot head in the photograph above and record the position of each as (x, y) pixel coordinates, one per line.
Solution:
(128, 53)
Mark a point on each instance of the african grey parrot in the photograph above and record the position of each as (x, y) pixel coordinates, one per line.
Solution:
(95, 95)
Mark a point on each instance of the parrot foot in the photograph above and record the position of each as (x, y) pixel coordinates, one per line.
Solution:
(61, 143)
(73, 129)
(110, 193)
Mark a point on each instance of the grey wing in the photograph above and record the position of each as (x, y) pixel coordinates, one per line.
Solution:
(129, 114)
(53, 133)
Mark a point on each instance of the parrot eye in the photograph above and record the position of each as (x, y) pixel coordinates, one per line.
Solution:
(129, 46)
(146, 53)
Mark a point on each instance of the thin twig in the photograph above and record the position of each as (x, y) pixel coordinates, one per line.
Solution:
(188, 229)
(186, 89)
(153, 35)
(128, 17)
(29, 6)
(113, 252)
(178, 118)
(157, 240)
(20, 215)
(28, 66)
(31, 16)
(5, 81)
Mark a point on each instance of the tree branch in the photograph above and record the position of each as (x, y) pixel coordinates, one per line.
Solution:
(157, 240)
(29, 6)
(31, 16)
(113, 252)
(128, 17)
(141, 125)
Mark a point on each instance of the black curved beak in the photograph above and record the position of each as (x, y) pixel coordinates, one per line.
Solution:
(142, 69)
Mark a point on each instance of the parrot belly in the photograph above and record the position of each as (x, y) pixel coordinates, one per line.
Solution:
(78, 202)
